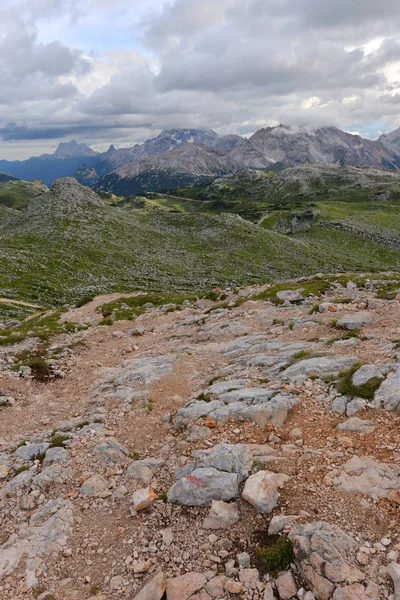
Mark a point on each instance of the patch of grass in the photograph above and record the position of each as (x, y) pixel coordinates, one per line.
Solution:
(314, 309)
(84, 300)
(21, 469)
(57, 441)
(275, 558)
(44, 327)
(301, 355)
(40, 456)
(278, 322)
(333, 323)
(219, 377)
(347, 388)
(95, 589)
(128, 308)
(106, 321)
(163, 496)
(134, 455)
(204, 397)
(352, 333)
(221, 305)
(315, 286)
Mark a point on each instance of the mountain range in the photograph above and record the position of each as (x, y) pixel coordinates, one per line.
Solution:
(180, 157)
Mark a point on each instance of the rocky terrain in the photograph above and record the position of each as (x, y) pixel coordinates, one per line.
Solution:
(241, 447)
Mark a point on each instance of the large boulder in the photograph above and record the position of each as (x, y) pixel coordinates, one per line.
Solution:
(203, 485)
(232, 458)
(324, 555)
(354, 320)
(387, 395)
(367, 372)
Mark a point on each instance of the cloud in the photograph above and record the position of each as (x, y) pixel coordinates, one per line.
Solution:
(233, 65)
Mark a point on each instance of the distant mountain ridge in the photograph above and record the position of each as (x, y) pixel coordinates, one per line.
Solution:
(268, 148)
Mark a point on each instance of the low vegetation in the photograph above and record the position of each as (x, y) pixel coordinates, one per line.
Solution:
(275, 558)
(347, 388)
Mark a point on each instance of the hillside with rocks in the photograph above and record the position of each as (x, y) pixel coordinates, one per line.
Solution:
(241, 446)
(79, 246)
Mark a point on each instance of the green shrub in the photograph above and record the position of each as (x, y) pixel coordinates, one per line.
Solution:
(57, 441)
(347, 388)
(275, 558)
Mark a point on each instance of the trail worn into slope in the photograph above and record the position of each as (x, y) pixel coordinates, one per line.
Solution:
(118, 420)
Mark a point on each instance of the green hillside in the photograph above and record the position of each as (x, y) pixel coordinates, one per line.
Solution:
(17, 194)
(68, 243)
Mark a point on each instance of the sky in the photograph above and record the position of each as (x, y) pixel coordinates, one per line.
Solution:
(120, 71)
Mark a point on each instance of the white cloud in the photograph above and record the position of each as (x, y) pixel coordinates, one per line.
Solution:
(234, 65)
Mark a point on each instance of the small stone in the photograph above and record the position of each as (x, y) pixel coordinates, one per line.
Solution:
(243, 560)
(215, 587)
(143, 498)
(269, 592)
(4, 471)
(222, 515)
(167, 536)
(261, 490)
(249, 576)
(286, 585)
(94, 485)
(233, 587)
(141, 566)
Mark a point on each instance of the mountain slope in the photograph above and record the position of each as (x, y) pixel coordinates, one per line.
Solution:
(77, 245)
(300, 145)
(187, 164)
(167, 140)
(6, 177)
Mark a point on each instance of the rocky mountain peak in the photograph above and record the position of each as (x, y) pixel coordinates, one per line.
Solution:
(72, 148)
(65, 195)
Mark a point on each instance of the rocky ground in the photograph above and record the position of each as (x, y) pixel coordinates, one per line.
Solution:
(170, 450)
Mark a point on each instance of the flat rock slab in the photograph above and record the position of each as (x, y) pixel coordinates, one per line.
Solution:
(366, 476)
(354, 320)
(110, 451)
(358, 425)
(290, 296)
(46, 535)
(319, 365)
(222, 515)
